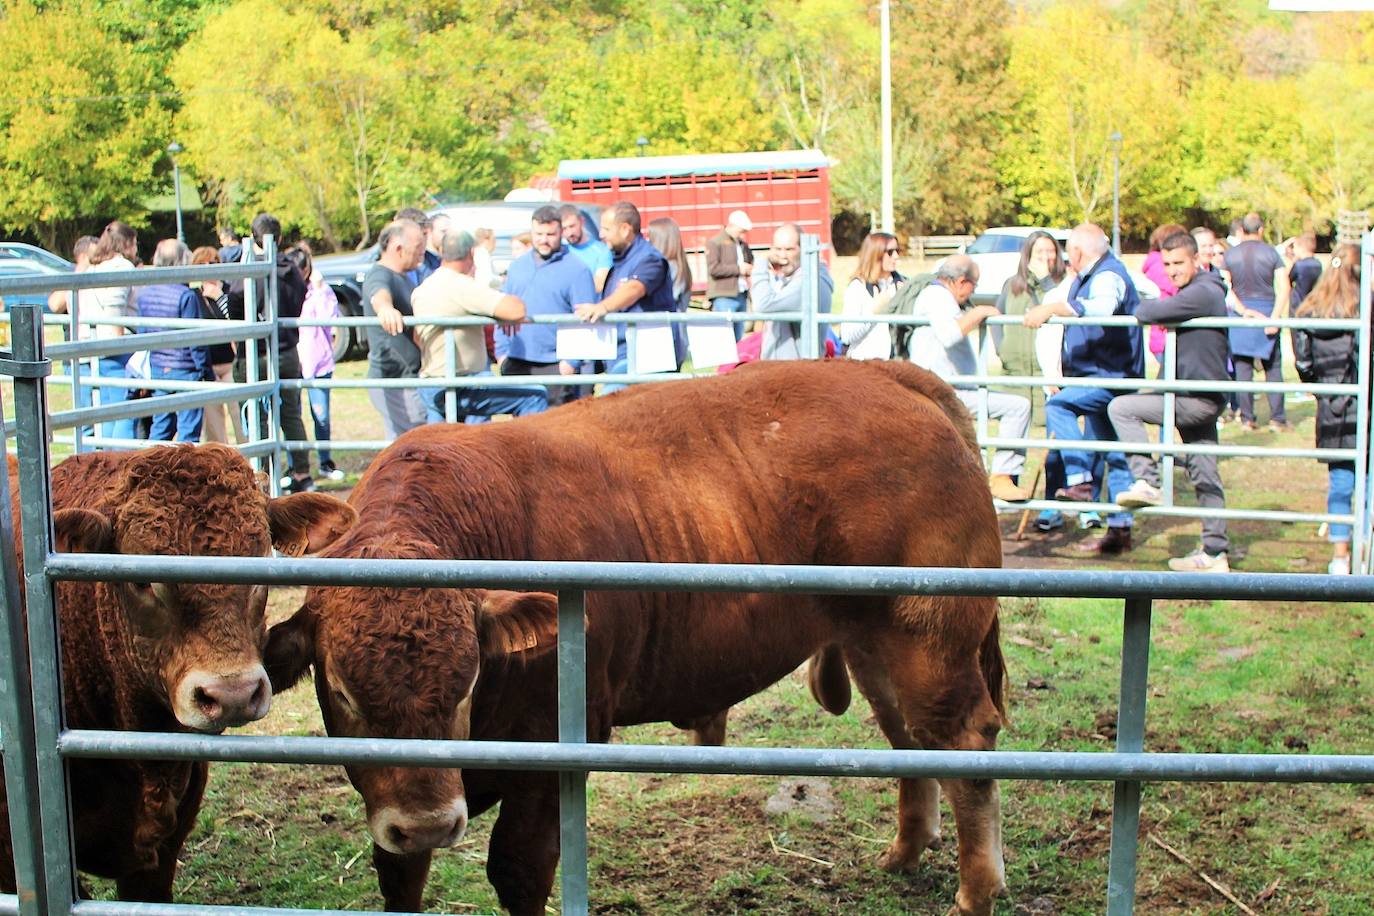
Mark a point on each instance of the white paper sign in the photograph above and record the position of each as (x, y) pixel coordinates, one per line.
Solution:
(653, 348)
(586, 341)
(711, 344)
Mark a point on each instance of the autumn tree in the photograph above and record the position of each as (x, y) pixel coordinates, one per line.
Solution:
(1083, 77)
(81, 128)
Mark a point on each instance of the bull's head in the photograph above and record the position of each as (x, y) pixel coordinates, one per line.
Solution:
(404, 663)
(198, 647)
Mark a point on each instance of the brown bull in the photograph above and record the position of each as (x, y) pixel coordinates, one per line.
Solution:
(154, 656)
(840, 463)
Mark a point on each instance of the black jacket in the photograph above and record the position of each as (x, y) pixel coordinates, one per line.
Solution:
(1334, 354)
(1202, 352)
(290, 299)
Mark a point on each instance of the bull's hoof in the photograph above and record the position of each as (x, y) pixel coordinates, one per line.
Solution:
(903, 856)
(963, 906)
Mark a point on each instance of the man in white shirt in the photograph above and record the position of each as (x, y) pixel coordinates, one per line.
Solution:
(453, 292)
(944, 348)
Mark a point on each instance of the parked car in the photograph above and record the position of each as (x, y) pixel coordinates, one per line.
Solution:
(505, 218)
(24, 252)
(18, 259)
(997, 252)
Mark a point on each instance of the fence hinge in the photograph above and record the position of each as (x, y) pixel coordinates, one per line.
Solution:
(20, 368)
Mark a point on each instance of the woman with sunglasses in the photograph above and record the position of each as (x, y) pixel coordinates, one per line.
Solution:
(870, 292)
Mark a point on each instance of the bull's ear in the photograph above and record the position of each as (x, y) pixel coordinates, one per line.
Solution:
(308, 522)
(82, 531)
(290, 650)
(509, 623)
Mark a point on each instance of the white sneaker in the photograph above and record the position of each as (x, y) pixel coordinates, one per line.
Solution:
(1140, 494)
(1201, 561)
(1339, 566)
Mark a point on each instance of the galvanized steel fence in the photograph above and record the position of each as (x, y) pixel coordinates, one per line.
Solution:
(36, 741)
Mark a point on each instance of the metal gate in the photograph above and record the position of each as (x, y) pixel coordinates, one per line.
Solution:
(36, 742)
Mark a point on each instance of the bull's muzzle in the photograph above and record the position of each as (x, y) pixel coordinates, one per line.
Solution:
(402, 832)
(213, 702)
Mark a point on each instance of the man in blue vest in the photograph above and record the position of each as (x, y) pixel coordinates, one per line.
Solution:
(188, 364)
(1102, 288)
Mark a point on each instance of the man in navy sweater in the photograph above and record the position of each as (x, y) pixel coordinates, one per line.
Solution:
(1101, 288)
(191, 364)
(1202, 355)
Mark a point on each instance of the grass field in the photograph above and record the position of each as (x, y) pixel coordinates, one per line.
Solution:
(1278, 677)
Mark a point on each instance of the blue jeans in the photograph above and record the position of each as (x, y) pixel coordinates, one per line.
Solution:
(319, 416)
(184, 425)
(731, 304)
(1061, 419)
(1340, 495)
(620, 367)
(475, 405)
(115, 429)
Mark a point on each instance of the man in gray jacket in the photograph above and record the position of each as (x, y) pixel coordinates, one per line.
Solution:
(1202, 355)
(777, 287)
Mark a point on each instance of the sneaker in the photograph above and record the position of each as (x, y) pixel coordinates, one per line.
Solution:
(1280, 426)
(1201, 561)
(1141, 493)
(1005, 489)
(329, 472)
(1078, 493)
(1088, 520)
(1049, 520)
(293, 484)
(1248, 425)
(1339, 566)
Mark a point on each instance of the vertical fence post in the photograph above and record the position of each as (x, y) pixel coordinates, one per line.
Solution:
(1359, 542)
(572, 727)
(253, 412)
(811, 294)
(274, 433)
(1166, 428)
(74, 334)
(35, 505)
(1130, 739)
(16, 718)
(450, 371)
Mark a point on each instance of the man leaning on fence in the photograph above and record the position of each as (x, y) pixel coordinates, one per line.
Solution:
(1201, 355)
(391, 350)
(453, 291)
(943, 347)
(1101, 289)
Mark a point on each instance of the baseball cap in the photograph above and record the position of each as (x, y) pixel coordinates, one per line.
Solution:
(739, 218)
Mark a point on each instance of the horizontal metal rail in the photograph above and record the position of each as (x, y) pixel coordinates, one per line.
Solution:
(143, 276)
(758, 761)
(1257, 515)
(209, 331)
(710, 577)
(123, 908)
(169, 403)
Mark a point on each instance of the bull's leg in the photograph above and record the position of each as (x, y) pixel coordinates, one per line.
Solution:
(918, 800)
(154, 885)
(523, 853)
(707, 731)
(402, 879)
(946, 703)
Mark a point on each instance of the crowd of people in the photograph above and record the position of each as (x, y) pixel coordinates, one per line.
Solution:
(428, 270)
(1199, 276)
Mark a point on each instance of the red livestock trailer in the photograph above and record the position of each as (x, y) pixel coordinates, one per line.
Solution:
(699, 191)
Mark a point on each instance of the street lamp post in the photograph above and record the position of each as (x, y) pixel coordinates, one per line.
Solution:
(885, 19)
(1116, 191)
(172, 149)
(642, 143)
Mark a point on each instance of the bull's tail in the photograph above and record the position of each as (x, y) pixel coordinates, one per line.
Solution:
(828, 678)
(931, 386)
(994, 667)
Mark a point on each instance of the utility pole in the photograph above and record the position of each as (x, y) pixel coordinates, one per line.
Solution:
(172, 149)
(1116, 191)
